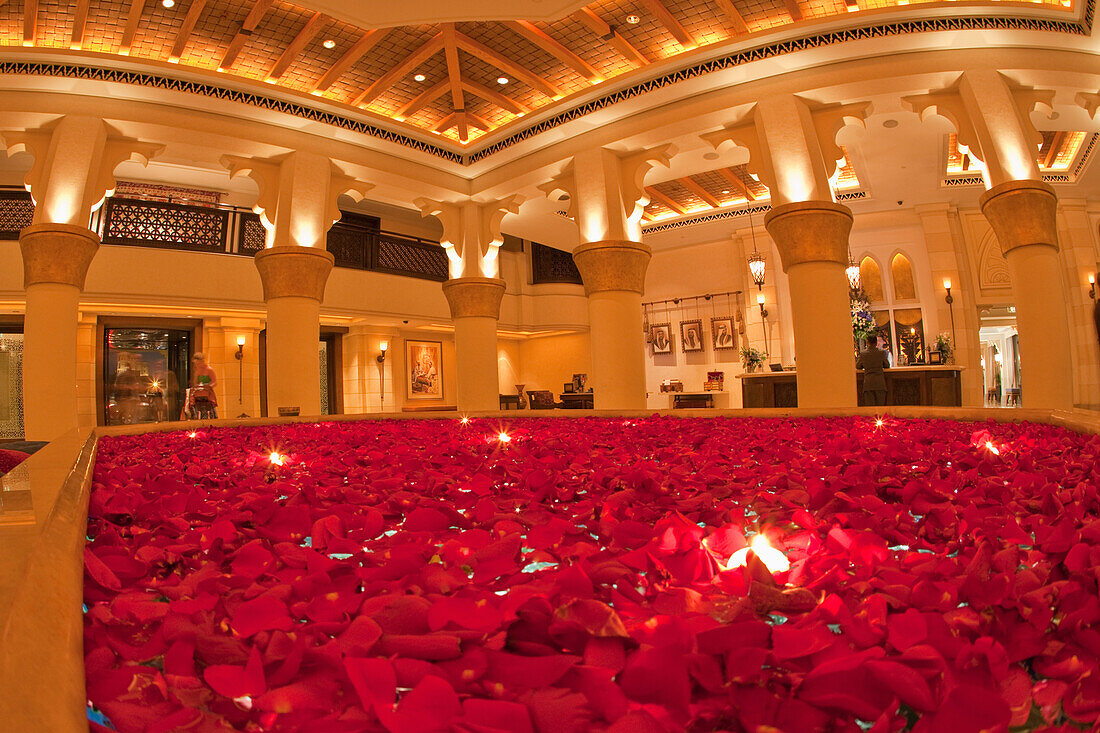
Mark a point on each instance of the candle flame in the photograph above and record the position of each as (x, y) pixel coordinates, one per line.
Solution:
(465, 421)
(992, 448)
(504, 437)
(276, 458)
(772, 558)
(192, 434)
(878, 423)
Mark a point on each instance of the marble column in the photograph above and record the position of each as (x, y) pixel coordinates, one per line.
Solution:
(55, 262)
(1022, 215)
(613, 273)
(475, 308)
(812, 239)
(294, 285)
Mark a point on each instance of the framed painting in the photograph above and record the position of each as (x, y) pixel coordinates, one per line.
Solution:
(723, 333)
(660, 335)
(691, 335)
(424, 370)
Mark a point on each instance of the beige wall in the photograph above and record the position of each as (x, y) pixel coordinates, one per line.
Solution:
(550, 361)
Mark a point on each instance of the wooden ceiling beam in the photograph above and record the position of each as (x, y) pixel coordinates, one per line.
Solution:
(454, 71)
(80, 19)
(669, 21)
(699, 191)
(655, 194)
(479, 122)
(494, 97)
(368, 41)
(461, 127)
(433, 46)
(506, 65)
(737, 21)
(600, 27)
(425, 97)
(294, 49)
(1055, 146)
(552, 46)
(248, 25)
(30, 21)
(194, 12)
(446, 123)
(133, 20)
(737, 183)
(793, 9)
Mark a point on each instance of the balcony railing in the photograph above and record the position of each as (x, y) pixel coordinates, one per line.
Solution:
(356, 241)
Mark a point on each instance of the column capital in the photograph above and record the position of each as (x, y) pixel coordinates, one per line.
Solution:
(810, 231)
(294, 272)
(613, 265)
(57, 253)
(298, 195)
(471, 232)
(474, 297)
(1022, 213)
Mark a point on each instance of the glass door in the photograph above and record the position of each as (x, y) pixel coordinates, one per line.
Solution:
(145, 374)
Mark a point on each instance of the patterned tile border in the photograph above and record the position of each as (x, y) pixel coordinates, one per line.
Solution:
(33, 68)
(729, 213)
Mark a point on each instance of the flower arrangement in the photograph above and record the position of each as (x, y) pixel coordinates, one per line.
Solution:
(944, 345)
(752, 358)
(863, 318)
(592, 574)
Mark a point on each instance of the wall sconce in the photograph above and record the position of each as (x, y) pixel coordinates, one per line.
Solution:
(949, 300)
(384, 346)
(760, 302)
(1092, 285)
(240, 374)
(758, 268)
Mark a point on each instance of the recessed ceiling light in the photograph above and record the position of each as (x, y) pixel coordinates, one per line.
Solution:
(168, 3)
(890, 123)
(419, 77)
(633, 19)
(502, 80)
(725, 192)
(329, 43)
(710, 156)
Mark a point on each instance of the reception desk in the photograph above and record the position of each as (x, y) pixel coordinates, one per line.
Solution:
(940, 386)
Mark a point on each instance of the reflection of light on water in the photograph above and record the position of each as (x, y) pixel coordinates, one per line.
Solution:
(772, 558)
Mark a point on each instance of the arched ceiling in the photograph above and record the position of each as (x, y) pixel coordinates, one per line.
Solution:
(438, 72)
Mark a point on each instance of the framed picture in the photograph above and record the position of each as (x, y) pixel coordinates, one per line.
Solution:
(691, 335)
(660, 335)
(935, 357)
(723, 333)
(568, 388)
(424, 370)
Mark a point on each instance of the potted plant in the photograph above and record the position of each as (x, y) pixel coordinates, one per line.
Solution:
(943, 345)
(752, 358)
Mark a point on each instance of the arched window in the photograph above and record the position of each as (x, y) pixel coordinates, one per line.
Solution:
(905, 288)
(870, 276)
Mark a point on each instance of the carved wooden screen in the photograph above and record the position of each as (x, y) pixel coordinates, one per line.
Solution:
(174, 226)
(16, 212)
(549, 265)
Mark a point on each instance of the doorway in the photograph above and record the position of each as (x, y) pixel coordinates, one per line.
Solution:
(11, 381)
(1000, 356)
(145, 374)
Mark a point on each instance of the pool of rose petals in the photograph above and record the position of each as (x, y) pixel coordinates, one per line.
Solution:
(425, 575)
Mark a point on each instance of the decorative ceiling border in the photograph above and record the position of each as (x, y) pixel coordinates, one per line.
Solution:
(729, 213)
(34, 68)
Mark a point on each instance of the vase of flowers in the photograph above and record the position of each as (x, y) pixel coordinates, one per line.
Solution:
(943, 345)
(752, 358)
(863, 319)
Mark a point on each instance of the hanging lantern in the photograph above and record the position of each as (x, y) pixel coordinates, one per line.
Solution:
(758, 268)
(852, 271)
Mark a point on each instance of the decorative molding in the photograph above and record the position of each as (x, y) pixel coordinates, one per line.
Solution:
(759, 53)
(992, 266)
(728, 213)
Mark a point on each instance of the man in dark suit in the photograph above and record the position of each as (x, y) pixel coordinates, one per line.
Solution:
(872, 361)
